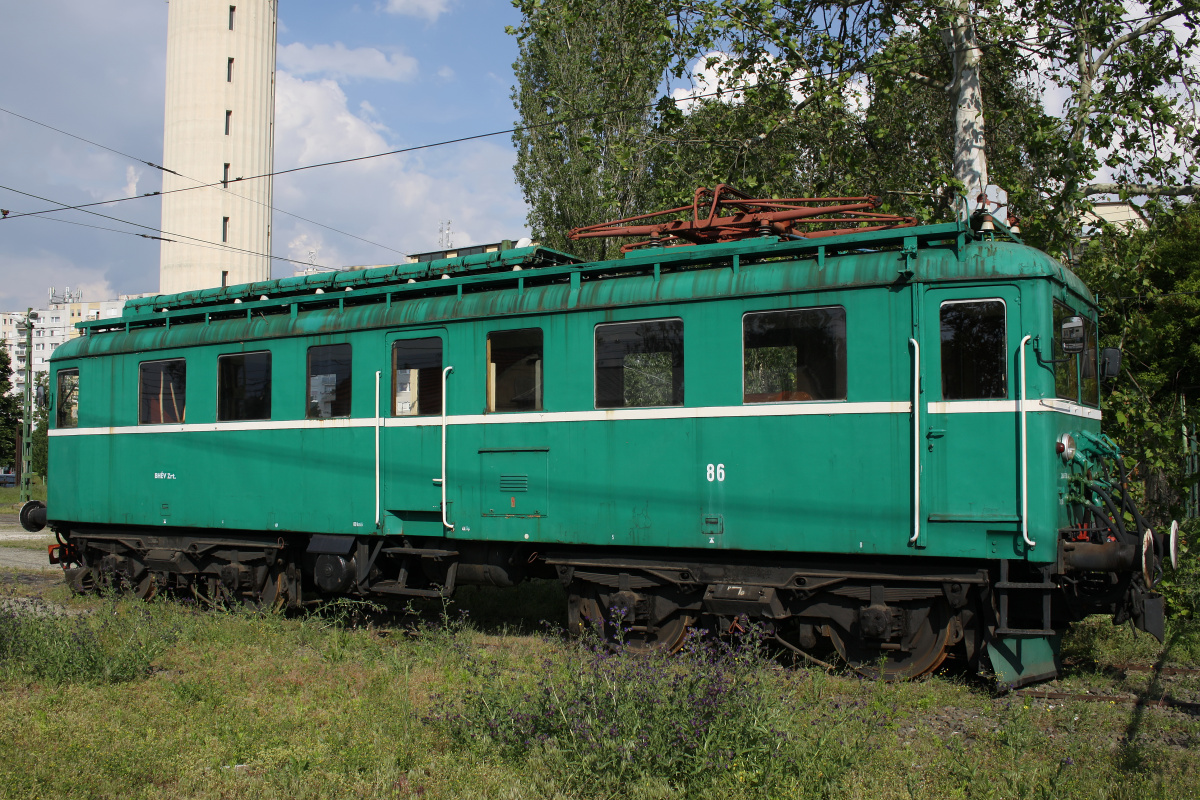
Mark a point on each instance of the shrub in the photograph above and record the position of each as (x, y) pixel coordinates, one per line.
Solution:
(599, 718)
(45, 643)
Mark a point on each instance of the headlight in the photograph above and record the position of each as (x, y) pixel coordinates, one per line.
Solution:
(1066, 447)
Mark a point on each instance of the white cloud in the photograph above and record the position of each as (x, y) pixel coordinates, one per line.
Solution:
(339, 61)
(132, 175)
(396, 201)
(53, 270)
(712, 73)
(445, 73)
(427, 9)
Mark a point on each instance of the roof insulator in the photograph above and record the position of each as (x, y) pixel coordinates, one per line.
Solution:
(319, 291)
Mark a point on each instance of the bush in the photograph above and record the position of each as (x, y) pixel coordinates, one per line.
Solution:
(44, 643)
(611, 722)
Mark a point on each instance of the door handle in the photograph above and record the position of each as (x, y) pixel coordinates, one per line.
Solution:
(935, 433)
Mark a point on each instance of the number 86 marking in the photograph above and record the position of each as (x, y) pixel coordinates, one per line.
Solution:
(716, 473)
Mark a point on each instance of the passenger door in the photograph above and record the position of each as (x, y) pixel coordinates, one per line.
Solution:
(411, 397)
(970, 338)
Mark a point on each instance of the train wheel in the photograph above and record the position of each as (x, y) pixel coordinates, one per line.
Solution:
(147, 587)
(586, 610)
(927, 648)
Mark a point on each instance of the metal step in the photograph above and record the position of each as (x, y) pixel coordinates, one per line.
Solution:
(395, 587)
(1025, 631)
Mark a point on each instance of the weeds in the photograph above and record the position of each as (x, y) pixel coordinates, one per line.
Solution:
(41, 642)
(602, 719)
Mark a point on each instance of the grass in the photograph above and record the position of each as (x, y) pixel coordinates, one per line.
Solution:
(34, 542)
(442, 704)
(11, 495)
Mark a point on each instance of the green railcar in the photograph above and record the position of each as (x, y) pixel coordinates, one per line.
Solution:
(878, 443)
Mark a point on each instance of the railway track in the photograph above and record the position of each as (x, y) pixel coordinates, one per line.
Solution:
(1139, 699)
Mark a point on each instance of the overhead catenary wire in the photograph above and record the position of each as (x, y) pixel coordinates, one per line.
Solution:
(195, 180)
(220, 245)
(857, 67)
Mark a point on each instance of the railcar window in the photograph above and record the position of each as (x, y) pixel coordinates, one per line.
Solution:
(1087, 366)
(798, 354)
(1066, 368)
(639, 364)
(244, 386)
(514, 379)
(67, 412)
(974, 350)
(417, 377)
(162, 392)
(328, 381)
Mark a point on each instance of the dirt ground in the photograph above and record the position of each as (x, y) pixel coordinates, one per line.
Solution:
(16, 546)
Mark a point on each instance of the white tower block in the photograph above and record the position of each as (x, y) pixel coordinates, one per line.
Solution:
(220, 125)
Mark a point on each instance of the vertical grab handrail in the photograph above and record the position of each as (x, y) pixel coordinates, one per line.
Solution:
(916, 406)
(1024, 448)
(445, 522)
(377, 419)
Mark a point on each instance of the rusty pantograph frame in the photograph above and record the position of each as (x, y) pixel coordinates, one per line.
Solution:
(723, 214)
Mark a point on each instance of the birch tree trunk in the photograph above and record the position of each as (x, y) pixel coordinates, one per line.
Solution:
(970, 160)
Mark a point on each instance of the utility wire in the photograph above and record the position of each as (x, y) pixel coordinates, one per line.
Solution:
(641, 107)
(194, 180)
(220, 245)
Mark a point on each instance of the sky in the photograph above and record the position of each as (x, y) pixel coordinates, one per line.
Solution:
(352, 79)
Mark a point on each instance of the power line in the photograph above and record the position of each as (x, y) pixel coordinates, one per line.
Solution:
(220, 245)
(194, 180)
(642, 107)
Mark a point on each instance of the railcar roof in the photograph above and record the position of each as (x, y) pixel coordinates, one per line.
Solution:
(542, 280)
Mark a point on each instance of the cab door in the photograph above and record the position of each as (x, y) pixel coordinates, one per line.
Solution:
(970, 422)
(412, 391)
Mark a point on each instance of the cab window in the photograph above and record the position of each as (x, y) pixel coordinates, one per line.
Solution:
(639, 364)
(974, 351)
(328, 381)
(162, 392)
(798, 354)
(1066, 367)
(67, 400)
(417, 377)
(1088, 383)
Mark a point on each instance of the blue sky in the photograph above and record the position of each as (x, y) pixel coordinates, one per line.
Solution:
(353, 79)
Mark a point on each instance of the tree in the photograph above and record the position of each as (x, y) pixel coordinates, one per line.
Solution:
(10, 412)
(1126, 75)
(41, 426)
(1148, 284)
(587, 77)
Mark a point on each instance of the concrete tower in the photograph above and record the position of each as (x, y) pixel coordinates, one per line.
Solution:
(220, 125)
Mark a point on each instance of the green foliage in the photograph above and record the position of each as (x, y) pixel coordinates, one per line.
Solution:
(40, 642)
(847, 100)
(41, 429)
(10, 412)
(587, 73)
(608, 722)
(1148, 283)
